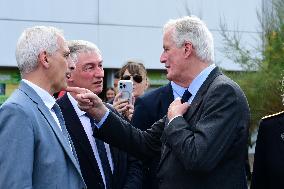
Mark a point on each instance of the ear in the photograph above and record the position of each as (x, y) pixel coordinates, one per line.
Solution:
(188, 49)
(43, 59)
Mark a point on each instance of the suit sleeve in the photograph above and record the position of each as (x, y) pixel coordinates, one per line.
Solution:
(201, 146)
(259, 175)
(16, 144)
(117, 132)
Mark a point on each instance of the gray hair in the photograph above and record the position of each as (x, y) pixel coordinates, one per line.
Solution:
(32, 42)
(192, 29)
(80, 46)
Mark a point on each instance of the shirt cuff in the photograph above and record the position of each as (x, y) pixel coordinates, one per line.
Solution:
(99, 125)
(174, 118)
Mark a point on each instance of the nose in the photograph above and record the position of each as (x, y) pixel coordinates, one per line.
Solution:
(163, 58)
(71, 64)
(70, 67)
(99, 73)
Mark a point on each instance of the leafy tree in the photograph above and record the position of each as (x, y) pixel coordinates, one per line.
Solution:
(262, 81)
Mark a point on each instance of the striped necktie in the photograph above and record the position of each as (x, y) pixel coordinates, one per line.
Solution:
(103, 157)
(59, 115)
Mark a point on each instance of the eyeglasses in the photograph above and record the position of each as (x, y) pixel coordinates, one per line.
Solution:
(137, 78)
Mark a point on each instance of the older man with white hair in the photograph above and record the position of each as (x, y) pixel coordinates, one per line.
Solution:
(203, 138)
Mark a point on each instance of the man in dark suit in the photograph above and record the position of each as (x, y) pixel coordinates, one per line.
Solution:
(36, 151)
(202, 142)
(89, 73)
(268, 168)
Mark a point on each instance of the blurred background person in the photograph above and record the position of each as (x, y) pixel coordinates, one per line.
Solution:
(110, 94)
(268, 167)
(115, 82)
(137, 73)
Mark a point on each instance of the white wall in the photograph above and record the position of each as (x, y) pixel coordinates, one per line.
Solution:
(124, 28)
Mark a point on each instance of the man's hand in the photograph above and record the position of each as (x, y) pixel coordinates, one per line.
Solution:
(176, 108)
(89, 102)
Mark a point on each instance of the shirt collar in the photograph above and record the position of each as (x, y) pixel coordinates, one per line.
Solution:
(195, 84)
(75, 105)
(47, 99)
(177, 90)
(199, 80)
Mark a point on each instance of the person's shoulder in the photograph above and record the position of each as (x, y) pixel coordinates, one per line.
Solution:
(272, 123)
(155, 92)
(19, 97)
(274, 116)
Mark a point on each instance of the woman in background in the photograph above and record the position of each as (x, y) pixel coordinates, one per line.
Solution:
(137, 73)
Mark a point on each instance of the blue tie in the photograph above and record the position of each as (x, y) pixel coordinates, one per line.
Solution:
(103, 156)
(66, 135)
(185, 97)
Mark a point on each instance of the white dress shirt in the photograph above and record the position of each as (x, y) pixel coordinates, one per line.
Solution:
(193, 87)
(85, 121)
(47, 99)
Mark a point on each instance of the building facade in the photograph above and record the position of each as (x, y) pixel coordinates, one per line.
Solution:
(122, 29)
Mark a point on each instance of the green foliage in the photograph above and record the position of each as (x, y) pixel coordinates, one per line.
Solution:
(263, 86)
(263, 91)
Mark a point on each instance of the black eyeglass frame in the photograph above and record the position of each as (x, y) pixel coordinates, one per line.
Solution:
(136, 77)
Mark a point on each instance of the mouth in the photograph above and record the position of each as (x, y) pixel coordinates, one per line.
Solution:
(98, 82)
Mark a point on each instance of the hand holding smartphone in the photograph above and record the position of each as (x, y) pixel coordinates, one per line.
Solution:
(126, 89)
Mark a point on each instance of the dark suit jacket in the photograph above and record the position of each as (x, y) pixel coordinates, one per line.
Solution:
(268, 169)
(148, 109)
(203, 149)
(152, 106)
(127, 170)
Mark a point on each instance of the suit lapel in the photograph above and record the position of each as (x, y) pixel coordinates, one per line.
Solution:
(76, 129)
(201, 92)
(193, 107)
(47, 115)
(115, 155)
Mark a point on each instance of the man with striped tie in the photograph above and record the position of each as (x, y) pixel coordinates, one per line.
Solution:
(103, 166)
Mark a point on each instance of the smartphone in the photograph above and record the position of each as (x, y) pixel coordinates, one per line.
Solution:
(126, 89)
